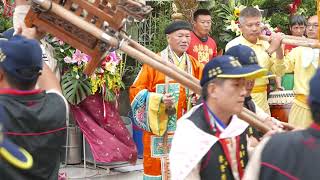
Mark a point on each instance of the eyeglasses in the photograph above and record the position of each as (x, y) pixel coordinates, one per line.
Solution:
(312, 25)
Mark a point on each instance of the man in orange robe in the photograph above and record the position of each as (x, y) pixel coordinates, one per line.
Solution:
(158, 101)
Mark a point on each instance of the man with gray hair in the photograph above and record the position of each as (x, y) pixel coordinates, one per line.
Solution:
(251, 27)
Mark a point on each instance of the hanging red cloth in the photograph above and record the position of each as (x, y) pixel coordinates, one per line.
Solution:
(104, 130)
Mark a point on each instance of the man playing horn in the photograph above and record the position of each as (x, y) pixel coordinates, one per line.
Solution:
(157, 101)
(250, 26)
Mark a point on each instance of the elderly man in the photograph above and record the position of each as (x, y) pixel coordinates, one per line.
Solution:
(157, 101)
(211, 142)
(293, 155)
(250, 26)
(202, 46)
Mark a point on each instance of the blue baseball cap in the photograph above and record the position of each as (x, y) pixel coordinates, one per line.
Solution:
(247, 58)
(21, 58)
(314, 95)
(228, 67)
(9, 151)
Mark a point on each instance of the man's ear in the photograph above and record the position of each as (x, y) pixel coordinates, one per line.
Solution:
(212, 89)
(168, 38)
(193, 22)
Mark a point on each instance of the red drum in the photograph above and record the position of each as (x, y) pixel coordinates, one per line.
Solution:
(280, 103)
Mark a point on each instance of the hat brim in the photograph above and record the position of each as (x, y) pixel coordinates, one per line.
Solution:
(248, 72)
(15, 155)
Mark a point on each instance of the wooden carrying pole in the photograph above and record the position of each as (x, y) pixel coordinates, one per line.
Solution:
(155, 56)
(169, 70)
(296, 41)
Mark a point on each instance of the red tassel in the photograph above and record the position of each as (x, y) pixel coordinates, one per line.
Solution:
(293, 8)
(297, 2)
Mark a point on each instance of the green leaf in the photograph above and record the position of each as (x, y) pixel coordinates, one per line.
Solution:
(75, 90)
(109, 95)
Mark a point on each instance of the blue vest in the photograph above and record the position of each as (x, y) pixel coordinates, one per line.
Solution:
(214, 164)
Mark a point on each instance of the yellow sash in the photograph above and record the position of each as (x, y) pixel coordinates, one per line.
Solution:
(158, 119)
(259, 89)
(301, 98)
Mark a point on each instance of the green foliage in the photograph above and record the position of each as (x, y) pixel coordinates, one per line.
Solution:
(156, 41)
(219, 13)
(5, 24)
(280, 20)
(159, 39)
(75, 87)
(308, 8)
(277, 5)
(161, 18)
(109, 95)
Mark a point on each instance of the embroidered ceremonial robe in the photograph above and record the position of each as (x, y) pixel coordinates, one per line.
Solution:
(149, 111)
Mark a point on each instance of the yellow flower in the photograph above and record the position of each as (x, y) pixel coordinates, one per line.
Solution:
(96, 83)
(75, 68)
(236, 12)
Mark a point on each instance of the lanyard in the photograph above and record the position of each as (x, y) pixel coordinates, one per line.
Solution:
(224, 142)
(213, 120)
